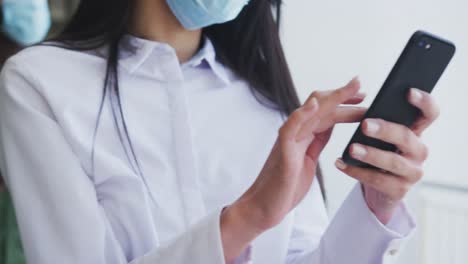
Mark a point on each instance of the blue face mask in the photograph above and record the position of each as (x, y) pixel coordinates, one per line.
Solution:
(196, 14)
(26, 22)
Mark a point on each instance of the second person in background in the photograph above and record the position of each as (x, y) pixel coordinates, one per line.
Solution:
(22, 23)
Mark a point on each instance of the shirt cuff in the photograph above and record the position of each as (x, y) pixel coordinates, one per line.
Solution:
(357, 236)
(201, 244)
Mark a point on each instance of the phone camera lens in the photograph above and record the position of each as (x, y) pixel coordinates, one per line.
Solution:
(424, 44)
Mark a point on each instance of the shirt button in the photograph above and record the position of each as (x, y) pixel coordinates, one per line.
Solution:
(393, 252)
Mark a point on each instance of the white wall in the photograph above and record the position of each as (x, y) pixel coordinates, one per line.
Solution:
(329, 42)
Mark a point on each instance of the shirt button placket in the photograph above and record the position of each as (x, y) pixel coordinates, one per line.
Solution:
(391, 253)
(190, 192)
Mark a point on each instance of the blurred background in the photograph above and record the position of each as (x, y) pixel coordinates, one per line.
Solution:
(328, 43)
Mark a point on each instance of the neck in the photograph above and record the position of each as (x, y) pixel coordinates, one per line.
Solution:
(153, 20)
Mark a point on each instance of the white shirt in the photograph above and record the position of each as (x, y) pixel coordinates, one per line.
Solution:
(201, 139)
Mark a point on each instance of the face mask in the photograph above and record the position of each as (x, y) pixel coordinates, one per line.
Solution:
(196, 14)
(25, 21)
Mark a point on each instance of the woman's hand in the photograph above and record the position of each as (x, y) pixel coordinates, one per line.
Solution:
(289, 171)
(385, 189)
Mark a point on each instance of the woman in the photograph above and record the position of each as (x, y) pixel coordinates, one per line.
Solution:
(153, 131)
(22, 23)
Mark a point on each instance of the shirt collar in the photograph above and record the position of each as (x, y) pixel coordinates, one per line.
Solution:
(135, 51)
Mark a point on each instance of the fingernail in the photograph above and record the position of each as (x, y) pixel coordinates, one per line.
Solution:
(360, 95)
(416, 95)
(339, 163)
(358, 151)
(372, 126)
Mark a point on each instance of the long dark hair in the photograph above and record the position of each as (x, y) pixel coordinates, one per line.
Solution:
(249, 45)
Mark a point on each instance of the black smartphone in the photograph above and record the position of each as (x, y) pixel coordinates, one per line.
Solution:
(421, 65)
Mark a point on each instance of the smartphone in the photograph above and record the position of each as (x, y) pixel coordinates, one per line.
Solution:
(420, 65)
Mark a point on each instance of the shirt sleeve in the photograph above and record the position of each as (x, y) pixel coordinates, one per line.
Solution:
(353, 236)
(59, 215)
